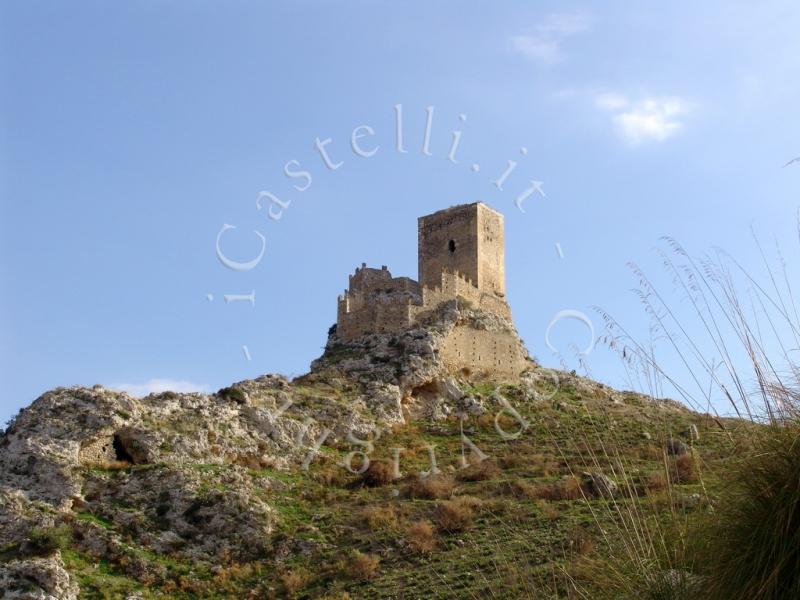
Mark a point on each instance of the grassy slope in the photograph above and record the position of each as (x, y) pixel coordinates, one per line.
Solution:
(523, 541)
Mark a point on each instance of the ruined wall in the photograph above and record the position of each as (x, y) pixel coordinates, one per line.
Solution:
(456, 285)
(375, 302)
(461, 255)
(98, 450)
(472, 351)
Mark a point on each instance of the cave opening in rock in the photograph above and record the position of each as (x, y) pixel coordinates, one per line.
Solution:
(120, 453)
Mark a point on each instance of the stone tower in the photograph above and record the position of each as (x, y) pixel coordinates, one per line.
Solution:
(461, 257)
(467, 239)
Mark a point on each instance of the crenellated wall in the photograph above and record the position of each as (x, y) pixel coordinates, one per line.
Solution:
(468, 237)
(376, 302)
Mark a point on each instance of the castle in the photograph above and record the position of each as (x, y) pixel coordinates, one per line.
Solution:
(461, 255)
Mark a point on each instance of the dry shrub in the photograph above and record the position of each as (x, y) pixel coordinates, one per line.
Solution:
(479, 472)
(536, 462)
(548, 510)
(650, 452)
(421, 536)
(565, 489)
(294, 580)
(378, 473)
(546, 468)
(381, 517)
(513, 460)
(580, 542)
(485, 421)
(362, 566)
(454, 515)
(433, 487)
(498, 506)
(331, 475)
(506, 422)
(655, 481)
(521, 488)
(472, 502)
(684, 469)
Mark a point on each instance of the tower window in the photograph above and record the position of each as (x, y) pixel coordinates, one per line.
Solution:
(451, 246)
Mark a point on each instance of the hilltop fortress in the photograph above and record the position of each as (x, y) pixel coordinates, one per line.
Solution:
(461, 257)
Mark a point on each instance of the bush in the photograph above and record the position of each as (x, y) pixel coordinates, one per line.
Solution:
(566, 489)
(581, 542)
(684, 469)
(421, 537)
(233, 394)
(751, 549)
(479, 472)
(381, 517)
(548, 510)
(454, 515)
(362, 566)
(46, 540)
(294, 580)
(378, 473)
(656, 481)
(433, 487)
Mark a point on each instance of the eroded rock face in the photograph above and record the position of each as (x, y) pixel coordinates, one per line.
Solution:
(423, 354)
(103, 462)
(170, 510)
(37, 579)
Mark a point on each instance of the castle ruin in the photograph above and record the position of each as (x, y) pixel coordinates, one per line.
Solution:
(461, 256)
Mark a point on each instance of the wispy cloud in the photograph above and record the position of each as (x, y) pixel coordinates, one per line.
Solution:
(650, 119)
(543, 46)
(155, 386)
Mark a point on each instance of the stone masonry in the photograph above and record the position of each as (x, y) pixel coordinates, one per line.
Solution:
(461, 255)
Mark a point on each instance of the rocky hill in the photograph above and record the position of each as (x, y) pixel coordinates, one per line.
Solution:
(379, 474)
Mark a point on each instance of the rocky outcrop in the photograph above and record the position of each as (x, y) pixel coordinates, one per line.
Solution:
(42, 578)
(97, 462)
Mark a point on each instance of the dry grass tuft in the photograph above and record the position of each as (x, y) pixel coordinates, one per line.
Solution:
(479, 472)
(568, 488)
(684, 470)
(379, 473)
(421, 537)
(381, 517)
(294, 580)
(433, 487)
(548, 510)
(655, 482)
(362, 566)
(454, 515)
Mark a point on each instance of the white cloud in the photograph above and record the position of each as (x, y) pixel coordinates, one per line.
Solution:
(650, 119)
(543, 46)
(155, 386)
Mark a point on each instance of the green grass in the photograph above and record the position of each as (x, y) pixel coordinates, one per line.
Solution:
(517, 546)
(90, 518)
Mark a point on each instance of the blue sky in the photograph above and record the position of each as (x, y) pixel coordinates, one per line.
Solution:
(131, 135)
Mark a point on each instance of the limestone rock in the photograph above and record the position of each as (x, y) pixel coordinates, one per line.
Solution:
(597, 484)
(43, 578)
(677, 447)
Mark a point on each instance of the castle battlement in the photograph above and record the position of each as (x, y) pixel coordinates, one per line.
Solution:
(458, 249)
(461, 255)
